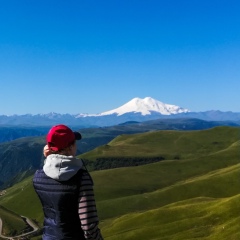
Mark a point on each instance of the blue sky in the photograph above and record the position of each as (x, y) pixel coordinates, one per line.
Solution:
(91, 56)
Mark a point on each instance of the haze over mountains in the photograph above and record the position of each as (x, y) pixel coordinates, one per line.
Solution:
(136, 109)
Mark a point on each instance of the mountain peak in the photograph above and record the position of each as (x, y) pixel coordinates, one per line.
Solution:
(145, 106)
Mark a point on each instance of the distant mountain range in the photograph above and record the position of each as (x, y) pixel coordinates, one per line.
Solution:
(136, 109)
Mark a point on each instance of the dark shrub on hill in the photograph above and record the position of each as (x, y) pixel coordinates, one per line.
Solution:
(116, 162)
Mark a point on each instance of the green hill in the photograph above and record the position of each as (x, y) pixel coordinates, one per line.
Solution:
(13, 224)
(169, 144)
(19, 158)
(194, 196)
(199, 219)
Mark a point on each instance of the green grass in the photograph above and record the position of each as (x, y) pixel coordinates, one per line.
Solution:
(195, 197)
(169, 144)
(13, 224)
(217, 184)
(148, 178)
(199, 218)
(22, 199)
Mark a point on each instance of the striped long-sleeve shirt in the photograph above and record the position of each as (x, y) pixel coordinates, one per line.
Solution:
(87, 209)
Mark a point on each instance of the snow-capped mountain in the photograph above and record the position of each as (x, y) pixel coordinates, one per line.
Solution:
(146, 106)
(136, 109)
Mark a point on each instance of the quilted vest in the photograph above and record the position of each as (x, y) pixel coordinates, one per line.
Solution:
(60, 206)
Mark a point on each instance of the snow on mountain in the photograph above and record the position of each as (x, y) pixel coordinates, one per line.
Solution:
(135, 110)
(145, 107)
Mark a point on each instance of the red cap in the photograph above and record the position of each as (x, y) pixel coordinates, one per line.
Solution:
(60, 137)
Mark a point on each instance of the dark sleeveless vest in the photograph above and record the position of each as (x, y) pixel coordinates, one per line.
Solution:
(60, 206)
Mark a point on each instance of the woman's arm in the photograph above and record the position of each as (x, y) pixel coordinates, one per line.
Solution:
(87, 209)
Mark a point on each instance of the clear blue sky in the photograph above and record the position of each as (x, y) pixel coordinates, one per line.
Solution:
(91, 56)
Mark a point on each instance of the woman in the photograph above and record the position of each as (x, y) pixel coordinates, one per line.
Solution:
(65, 189)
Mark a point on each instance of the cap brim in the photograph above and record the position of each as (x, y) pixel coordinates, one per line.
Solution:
(78, 135)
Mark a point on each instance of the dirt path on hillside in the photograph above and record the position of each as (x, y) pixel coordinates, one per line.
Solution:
(29, 222)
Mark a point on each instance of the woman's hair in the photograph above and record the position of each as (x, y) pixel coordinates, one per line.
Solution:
(64, 150)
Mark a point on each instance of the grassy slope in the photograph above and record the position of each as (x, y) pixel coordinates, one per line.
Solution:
(217, 184)
(199, 219)
(22, 199)
(184, 144)
(126, 197)
(208, 173)
(11, 221)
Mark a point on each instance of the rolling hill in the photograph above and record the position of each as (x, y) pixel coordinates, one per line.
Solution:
(195, 196)
(21, 157)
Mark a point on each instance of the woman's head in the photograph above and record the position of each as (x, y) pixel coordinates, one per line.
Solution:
(61, 139)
